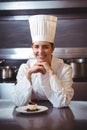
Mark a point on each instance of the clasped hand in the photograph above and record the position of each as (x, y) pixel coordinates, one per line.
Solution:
(42, 67)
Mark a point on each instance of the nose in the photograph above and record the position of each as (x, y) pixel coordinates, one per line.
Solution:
(40, 50)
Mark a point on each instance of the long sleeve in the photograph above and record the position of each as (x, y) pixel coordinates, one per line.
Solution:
(61, 92)
(23, 89)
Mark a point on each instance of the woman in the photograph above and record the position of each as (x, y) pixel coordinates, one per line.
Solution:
(45, 77)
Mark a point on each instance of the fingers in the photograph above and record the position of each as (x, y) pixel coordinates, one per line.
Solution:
(46, 66)
(39, 68)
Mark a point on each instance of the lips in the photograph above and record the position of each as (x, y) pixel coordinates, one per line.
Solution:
(41, 57)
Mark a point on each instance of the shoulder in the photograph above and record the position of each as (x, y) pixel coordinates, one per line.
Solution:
(58, 60)
(59, 63)
(27, 64)
(31, 62)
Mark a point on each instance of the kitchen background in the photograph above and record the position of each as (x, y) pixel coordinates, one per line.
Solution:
(70, 39)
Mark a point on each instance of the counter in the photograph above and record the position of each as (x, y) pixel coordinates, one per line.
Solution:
(73, 117)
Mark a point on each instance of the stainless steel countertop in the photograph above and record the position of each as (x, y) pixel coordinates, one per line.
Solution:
(73, 117)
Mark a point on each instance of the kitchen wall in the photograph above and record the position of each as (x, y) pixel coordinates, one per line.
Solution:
(71, 26)
(69, 33)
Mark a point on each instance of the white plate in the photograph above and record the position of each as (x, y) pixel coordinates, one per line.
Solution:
(22, 109)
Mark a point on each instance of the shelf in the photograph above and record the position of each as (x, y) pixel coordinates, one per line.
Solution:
(13, 8)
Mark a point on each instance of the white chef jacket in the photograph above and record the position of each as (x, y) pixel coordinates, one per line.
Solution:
(57, 88)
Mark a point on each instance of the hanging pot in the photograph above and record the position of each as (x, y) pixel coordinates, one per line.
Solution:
(79, 68)
(7, 72)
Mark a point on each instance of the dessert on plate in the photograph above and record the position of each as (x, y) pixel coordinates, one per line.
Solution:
(32, 106)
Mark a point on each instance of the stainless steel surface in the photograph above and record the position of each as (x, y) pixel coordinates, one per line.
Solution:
(8, 73)
(26, 16)
(81, 60)
(73, 117)
(20, 5)
(21, 9)
(6, 90)
(16, 53)
(26, 53)
(79, 67)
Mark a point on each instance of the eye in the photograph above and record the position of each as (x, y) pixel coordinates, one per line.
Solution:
(45, 47)
(36, 46)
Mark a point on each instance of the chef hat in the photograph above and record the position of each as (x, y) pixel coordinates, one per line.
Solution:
(43, 27)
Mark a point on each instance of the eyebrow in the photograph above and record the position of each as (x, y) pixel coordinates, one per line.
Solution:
(41, 45)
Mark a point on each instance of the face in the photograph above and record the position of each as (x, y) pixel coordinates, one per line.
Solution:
(43, 51)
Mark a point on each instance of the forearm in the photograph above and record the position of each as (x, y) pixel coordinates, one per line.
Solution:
(28, 75)
(22, 92)
(60, 91)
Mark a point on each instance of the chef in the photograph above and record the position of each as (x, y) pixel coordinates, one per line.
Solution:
(45, 77)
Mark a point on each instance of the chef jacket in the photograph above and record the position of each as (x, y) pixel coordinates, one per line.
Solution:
(56, 88)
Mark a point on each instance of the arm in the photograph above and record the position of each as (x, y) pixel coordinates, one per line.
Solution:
(61, 92)
(23, 89)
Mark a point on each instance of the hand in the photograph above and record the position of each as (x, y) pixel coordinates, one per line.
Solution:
(37, 68)
(46, 66)
(41, 67)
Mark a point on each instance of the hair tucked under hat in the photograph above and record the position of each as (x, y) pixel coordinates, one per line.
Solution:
(43, 27)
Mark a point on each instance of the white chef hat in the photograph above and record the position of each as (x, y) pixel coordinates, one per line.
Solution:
(43, 27)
